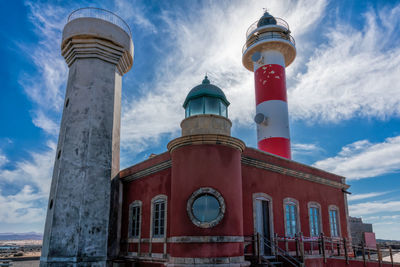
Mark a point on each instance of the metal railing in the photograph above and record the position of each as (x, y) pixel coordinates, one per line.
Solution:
(279, 22)
(99, 13)
(334, 247)
(269, 35)
(257, 241)
(282, 253)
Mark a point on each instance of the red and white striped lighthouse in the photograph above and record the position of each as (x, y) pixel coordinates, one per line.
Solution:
(268, 50)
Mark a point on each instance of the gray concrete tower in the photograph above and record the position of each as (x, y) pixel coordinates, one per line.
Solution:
(98, 49)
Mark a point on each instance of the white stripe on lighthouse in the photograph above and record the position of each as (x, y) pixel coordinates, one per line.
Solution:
(270, 57)
(277, 125)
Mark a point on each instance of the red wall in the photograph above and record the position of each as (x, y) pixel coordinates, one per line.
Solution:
(280, 186)
(215, 166)
(145, 189)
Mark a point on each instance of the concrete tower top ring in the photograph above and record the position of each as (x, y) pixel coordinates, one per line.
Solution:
(94, 12)
(95, 32)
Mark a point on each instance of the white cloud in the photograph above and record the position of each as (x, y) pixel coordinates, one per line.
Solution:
(363, 159)
(48, 21)
(134, 11)
(307, 149)
(47, 91)
(355, 197)
(367, 208)
(3, 159)
(20, 207)
(32, 177)
(35, 171)
(42, 121)
(356, 73)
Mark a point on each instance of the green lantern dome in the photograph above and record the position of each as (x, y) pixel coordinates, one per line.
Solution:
(206, 98)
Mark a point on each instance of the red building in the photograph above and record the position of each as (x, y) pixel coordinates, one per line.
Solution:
(210, 200)
(199, 201)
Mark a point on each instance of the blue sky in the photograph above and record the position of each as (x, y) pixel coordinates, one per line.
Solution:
(343, 91)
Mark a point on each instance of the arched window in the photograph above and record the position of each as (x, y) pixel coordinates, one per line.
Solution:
(135, 219)
(314, 212)
(334, 221)
(292, 224)
(158, 216)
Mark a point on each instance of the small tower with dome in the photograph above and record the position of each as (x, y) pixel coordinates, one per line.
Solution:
(206, 183)
(206, 111)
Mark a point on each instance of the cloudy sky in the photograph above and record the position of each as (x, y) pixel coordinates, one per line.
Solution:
(343, 91)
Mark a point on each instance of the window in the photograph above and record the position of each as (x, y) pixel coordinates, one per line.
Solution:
(196, 106)
(291, 217)
(158, 213)
(212, 105)
(135, 213)
(206, 207)
(206, 105)
(334, 221)
(315, 219)
(224, 110)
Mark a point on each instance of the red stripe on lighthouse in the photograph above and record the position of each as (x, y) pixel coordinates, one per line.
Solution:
(276, 145)
(270, 83)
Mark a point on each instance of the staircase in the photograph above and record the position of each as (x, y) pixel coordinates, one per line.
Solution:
(281, 257)
(270, 261)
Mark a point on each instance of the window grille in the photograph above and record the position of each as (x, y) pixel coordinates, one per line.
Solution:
(333, 219)
(291, 219)
(315, 227)
(159, 218)
(135, 221)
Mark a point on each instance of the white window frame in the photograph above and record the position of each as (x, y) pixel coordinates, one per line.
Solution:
(136, 203)
(294, 202)
(154, 200)
(315, 205)
(335, 208)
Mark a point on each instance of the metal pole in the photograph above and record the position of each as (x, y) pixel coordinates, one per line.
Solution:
(286, 245)
(345, 250)
(363, 254)
(391, 255)
(301, 247)
(323, 246)
(379, 255)
(258, 248)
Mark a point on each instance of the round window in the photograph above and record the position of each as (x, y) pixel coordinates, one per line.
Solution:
(206, 207)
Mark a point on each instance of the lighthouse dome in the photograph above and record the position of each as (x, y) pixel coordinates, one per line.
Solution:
(266, 19)
(206, 98)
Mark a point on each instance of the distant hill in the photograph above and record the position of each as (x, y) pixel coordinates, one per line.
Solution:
(387, 240)
(21, 236)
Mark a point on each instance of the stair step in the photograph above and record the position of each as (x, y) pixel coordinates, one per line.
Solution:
(268, 257)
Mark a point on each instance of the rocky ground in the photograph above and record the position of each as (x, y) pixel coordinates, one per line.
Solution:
(20, 248)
